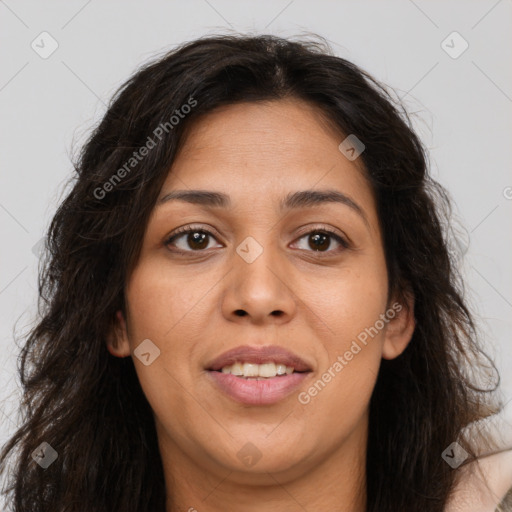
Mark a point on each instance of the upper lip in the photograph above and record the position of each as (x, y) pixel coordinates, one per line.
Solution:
(259, 355)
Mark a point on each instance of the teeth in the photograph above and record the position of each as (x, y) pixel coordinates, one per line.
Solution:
(251, 370)
(266, 370)
(237, 369)
(280, 369)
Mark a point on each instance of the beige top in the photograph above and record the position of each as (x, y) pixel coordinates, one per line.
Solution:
(488, 490)
(476, 494)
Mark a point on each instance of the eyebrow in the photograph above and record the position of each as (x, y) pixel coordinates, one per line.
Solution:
(293, 200)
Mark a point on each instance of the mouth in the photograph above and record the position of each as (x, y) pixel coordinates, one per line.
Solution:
(252, 371)
(258, 375)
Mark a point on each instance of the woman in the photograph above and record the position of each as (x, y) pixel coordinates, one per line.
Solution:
(249, 302)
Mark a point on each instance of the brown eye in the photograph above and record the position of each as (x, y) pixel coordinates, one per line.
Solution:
(191, 239)
(320, 240)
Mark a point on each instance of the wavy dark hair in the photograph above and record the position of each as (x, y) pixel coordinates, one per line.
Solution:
(89, 406)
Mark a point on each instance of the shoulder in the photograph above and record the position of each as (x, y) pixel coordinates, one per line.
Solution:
(485, 485)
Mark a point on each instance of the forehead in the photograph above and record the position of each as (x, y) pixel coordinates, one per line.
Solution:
(258, 153)
(289, 129)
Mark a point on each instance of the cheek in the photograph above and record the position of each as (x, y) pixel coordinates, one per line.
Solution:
(349, 303)
(337, 401)
(161, 301)
(154, 314)
(168, 309)
(352, 348)
(350, 307)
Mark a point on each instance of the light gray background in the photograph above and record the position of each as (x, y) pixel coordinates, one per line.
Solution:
(463, 112)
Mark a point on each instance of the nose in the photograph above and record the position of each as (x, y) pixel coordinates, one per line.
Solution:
(260, 286)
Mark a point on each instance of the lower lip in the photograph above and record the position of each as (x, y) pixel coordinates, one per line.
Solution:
(258, 392)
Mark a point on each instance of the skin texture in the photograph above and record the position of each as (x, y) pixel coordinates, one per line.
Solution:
(312, 455)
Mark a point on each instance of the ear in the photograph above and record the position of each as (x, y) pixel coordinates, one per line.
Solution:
(400, 328)
(117, 339)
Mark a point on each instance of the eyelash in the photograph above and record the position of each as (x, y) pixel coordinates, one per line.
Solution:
(196, 229)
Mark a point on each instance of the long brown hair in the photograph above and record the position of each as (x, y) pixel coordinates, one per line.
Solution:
(88, 405)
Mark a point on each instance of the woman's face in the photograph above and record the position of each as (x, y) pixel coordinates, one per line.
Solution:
(267, 275)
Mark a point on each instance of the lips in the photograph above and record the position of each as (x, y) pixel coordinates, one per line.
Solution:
(258, 392)
(259, 355)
